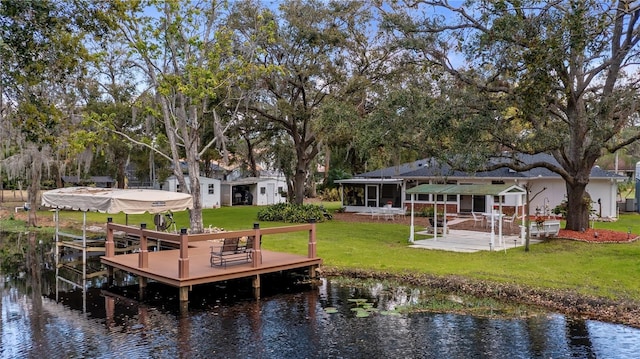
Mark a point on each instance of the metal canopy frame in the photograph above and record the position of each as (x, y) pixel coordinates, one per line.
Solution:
(468, 189)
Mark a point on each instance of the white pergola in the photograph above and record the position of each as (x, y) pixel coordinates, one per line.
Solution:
(471, 189)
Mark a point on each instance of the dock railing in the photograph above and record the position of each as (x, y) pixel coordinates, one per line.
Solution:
(183, 239)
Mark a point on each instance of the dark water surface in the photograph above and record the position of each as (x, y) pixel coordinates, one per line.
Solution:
(45, 317)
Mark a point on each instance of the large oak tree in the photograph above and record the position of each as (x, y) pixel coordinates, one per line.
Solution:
(42, 58)
(184, 53)
(531, 77)
(318, 62)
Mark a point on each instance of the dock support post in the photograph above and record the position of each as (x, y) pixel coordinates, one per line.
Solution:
(109, 250)
(183, 261)
(183, 294)
(312, 272)
(256, 286)
(256, 260)
(312, 239)
(142, 285)
(110, 276)
(143, 256)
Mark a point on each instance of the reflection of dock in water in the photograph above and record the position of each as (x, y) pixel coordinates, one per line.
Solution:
(77, 259)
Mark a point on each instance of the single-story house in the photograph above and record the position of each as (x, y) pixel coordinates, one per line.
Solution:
(210, 190)
(257, 191)
(388, 186)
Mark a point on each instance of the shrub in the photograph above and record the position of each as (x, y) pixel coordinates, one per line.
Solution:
(293, 213)
(330, 195)
(561, 209)
(425, 212)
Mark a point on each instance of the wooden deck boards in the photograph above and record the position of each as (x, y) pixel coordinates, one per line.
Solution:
(190, 264)
(163, 265)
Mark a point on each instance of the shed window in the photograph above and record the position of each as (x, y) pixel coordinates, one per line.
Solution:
(212, 188)
(263, 190)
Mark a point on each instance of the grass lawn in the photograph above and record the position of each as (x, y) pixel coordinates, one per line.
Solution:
(605, 270)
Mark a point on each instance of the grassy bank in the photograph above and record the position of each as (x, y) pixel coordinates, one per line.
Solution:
(602, 270)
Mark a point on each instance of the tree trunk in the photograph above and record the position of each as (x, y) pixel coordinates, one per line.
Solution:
(578, 206)
(194, 179)
(33, 190)
(253, 167)
(327, 165)
(120, 172)
(299, 179)
(313, 191)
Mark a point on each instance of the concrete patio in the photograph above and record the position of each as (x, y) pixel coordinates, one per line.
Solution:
(458, 240)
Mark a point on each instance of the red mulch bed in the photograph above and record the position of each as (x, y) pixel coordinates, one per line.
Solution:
(598, 236)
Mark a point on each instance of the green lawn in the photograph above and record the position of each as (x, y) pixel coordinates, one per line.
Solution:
(607, 270)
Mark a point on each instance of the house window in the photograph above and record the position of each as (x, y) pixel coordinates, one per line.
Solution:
(178, 188)
(212, 188)
(450, 197)
(420, 196)
(263, 190)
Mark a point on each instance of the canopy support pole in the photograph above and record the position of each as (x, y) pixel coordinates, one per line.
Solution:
(435, 217)
(444, 218)
(412, 227)
(84, 252)
(56, 217)
(523, 227)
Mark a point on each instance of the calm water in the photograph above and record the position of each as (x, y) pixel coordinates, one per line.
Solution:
(46, 318)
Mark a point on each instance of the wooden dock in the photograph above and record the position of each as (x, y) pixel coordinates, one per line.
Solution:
(190, 265)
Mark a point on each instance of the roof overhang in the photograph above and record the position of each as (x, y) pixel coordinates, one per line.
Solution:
(468, 189)
(370, 181)
(251, 180)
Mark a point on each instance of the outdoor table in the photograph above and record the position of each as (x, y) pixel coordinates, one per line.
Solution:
(388, 212)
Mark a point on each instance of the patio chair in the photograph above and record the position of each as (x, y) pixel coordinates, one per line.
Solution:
(477, 219)
(401, 213)
(510, 220)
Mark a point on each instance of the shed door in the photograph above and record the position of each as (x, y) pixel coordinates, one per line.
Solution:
(271, 190)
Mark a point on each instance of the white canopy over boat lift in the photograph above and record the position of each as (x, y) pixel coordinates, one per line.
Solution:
(470, 189)
(113, 200)
(108, 200)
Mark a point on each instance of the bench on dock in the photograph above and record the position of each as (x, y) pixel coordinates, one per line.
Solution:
(546, 229)
(232, 250)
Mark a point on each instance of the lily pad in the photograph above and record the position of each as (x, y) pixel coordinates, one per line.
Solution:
(389, 312)
(357, 300)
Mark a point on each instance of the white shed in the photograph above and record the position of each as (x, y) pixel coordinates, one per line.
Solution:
(255, 191)
(210, 190)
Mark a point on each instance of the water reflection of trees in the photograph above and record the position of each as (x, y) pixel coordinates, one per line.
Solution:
(37, 315)
(281, 326)
(12, 253)
(579, 340)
